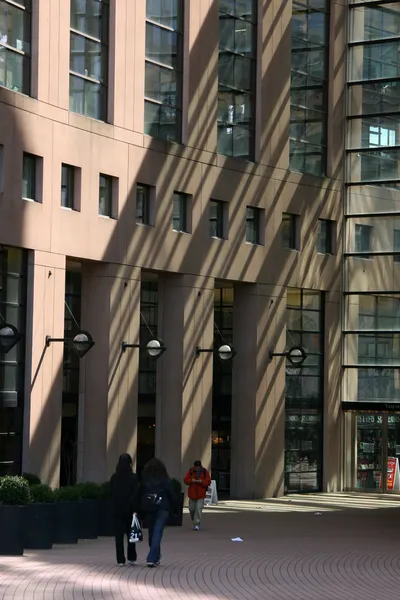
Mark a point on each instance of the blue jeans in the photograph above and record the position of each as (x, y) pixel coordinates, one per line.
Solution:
(156, 523)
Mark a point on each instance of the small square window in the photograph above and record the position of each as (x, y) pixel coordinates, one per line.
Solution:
(396, 245)
(68, 186)
(289, 231)
(325, 236)
(106, 208)
(253, 222)
(216, 219)
(30, 182)
(180, 212)
(363, 239)
(143, 199)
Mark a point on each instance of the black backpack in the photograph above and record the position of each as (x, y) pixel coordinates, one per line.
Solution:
(151, 498)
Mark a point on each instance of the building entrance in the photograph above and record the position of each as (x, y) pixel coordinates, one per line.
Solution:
(375, 442)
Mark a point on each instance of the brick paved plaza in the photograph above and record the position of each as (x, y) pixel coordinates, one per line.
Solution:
(350, 550)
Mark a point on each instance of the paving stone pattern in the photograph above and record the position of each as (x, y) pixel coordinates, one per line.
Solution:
(349, 550)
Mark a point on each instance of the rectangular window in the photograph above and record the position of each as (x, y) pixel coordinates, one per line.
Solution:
(289, 231)
(15, 45)
(216, 219)
(396, 245)
(29, 177)
(68, 186)
(253, 225)
(143, 199)
(89, 58)
(163, 69)
(309, 87)
(106, 196)
(325, 236)
(180, 212)
(363, 239)
(236, 78)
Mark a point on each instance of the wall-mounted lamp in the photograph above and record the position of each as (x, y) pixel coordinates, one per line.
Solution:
(224, 352)
(81, 343)
(9, 337)
(295, 355)
(154, 348)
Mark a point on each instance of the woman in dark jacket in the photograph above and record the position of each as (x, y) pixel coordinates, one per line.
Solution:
(124, 498)
(156, 501)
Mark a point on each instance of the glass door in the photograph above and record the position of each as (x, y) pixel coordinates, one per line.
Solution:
(370, 453)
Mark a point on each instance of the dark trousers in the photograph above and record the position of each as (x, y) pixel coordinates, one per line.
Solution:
(122, 529)
(156, 523)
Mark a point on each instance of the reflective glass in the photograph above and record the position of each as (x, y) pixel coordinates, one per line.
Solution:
(375, 61)
(244, 9)
(163, 85)
(252, 225)
(88, 58)
(374, 165)
(374, 22)
(162, 122)
(15, 27)
(378, 97)
(90, 17)
(105, 196)
(163, 46)
(371, 132)
(165, 12)
(67, 186)
(87, 98)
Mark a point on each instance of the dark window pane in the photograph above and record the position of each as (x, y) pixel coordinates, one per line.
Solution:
(90, 17)
(67, 186)
(142, 204)
(163, 46)
(105, 198)
(29, 177)
(165, 12)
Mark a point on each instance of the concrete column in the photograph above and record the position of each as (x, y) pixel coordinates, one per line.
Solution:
(332, 475)
(184, 404)
(258, 400)
(43, 392)
(109, 378)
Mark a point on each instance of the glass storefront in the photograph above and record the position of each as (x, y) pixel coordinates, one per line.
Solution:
(304, 392)
(222, 391)
(13, 300)
(147, 375)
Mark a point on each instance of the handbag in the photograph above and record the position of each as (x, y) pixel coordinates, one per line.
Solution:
(151, 499)
(136, 534)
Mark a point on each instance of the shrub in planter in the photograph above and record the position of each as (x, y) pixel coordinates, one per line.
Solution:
(106, 516)
(65, 529)
(14, 495)
(89, 509)
(31, 479)
(39, 518)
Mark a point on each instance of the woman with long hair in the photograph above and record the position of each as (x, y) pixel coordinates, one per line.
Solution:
(124, 496)
(156, 500)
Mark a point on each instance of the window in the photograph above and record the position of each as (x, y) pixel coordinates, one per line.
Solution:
(309, 86)
(325, 236)
(253, 225)
(68, 186)
(15, 45)
(29, 177)
(363, 239)
(89, 58)
(106, 196)
(180, 212)
(396, 245)
(236, 78)
(163, 69)
(143, 204)
(216, 219)
(289, 231)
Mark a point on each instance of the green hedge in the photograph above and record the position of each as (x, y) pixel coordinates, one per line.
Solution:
(14, 490)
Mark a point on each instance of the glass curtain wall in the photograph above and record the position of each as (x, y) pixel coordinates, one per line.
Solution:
(309, 86)
(71, 365)
(15, 45)
(304, 402)
(222, 392)
(164, 69)
(146, 442)
(237, 77)
(88, 80)
(13, 304)
(372, 252)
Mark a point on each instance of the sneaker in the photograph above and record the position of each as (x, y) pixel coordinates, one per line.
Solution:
(121, 564)
(197, 527)
(153, 564)
(132, 562)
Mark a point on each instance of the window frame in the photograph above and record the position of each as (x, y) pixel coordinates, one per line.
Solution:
(327, 247)
(33, 183)
(146, 204)
(182, 199)
(361, 227)
(111, 213)
(293, 242)
(70, 186)
(219, 219)
(255, 221)
(26, 8)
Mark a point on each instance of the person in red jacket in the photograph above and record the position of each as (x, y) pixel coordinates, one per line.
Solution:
(198, 479)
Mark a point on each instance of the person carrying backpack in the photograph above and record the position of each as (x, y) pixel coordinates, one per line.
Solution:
(156, 501)
(198, 479)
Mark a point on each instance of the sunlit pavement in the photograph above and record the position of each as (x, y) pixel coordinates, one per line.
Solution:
(319, 547)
